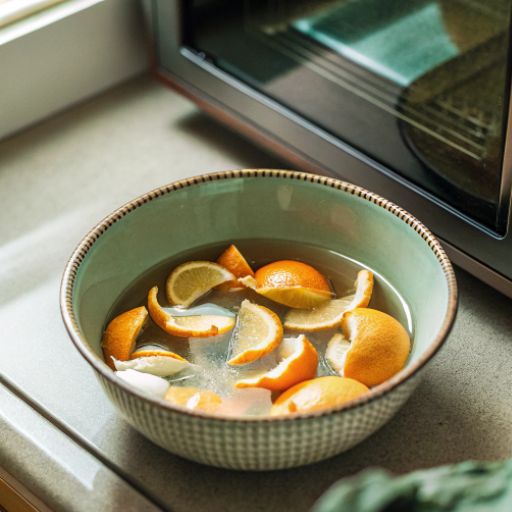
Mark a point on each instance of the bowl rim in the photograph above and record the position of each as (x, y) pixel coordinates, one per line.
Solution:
(80, 252)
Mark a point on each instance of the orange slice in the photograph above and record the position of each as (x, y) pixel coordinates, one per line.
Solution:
(259, 331)
(190, 281)
(317, 394)
(193, 398)
(155, 360)
(299, 360)
(329, 314)
(233, 260)
(187, 326)
(121, 333)
(292, 283)
(379, 346)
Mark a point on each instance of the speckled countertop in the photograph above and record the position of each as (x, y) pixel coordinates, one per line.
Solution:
(60, 436)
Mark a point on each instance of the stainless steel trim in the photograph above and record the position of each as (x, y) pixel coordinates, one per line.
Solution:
(478, 269)
(506, 169)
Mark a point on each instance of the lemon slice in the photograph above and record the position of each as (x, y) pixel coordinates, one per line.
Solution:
(259, 332)
(187, 326)
(336, 352)
(330, 314)
(154, 360)
(191, 280)
(121, 334)
(299, 360)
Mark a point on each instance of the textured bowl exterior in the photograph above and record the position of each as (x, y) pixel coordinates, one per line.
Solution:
(257, 443)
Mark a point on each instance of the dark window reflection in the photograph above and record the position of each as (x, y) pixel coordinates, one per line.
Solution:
(419, 85)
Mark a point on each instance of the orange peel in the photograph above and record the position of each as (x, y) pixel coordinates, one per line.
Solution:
(292, 283)
(193, 398)
(299, 361)
(187, 326)
(233, 260)
(318, 394)
(121, 334)
(329, 314)
(379, 346)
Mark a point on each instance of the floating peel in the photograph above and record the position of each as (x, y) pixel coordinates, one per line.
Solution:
(330, 314)
(299, 361)
(162, 366)
(149, 384)
(187, 326)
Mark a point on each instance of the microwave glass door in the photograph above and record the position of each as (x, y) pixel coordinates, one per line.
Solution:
(420, 86)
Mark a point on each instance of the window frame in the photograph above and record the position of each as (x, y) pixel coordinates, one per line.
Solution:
(65, 54)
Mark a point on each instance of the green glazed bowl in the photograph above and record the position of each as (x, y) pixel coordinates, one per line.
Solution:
(259, 204)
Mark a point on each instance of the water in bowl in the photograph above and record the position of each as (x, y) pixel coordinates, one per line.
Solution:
(209, 355)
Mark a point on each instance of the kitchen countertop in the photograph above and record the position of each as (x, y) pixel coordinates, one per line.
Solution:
(60, 436)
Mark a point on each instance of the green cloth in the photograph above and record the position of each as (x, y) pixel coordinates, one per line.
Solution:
(466, 487)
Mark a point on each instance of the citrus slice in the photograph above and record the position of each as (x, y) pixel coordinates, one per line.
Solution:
(317, 394)
(155, 360)
(191, 280)
(259, 331)
(121, 333)
(329, 314)
(199, 326)
(379, 346)
(193, 398)
(299, 360)
(233, 260)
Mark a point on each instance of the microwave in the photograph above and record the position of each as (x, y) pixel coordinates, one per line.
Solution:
(408, 98)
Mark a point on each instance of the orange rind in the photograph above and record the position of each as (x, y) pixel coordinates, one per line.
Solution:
(198, 326)
(193, 398)
(299, 361)
(292, 283)
(233, 260)
(121, 334)
(329, 314)
(379, 346)
(318, 394)
(155, 360)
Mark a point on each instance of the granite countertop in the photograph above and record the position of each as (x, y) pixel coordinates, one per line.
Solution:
(60, 436)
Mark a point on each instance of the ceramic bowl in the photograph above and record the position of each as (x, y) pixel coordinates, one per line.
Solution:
(271, 204)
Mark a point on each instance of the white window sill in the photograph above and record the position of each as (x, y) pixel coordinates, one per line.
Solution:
(65, 54)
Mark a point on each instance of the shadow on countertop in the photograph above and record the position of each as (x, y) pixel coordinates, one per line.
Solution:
(211, 132)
